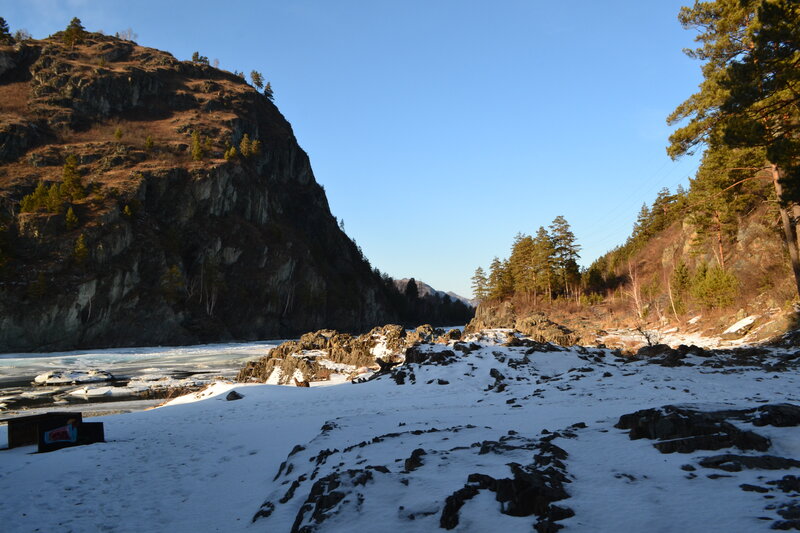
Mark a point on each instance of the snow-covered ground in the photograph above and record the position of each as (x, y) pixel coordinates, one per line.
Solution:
(428, 445)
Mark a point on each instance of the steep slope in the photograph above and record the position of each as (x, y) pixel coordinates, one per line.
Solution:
(163, 240)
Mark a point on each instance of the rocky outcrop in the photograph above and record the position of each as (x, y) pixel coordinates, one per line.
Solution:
(316, 355)
(538, 326)
(176, 250)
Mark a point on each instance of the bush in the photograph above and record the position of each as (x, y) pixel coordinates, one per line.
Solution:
(714, 287)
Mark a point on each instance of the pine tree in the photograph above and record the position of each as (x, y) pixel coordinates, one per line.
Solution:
(197, 58)
(255, 147)
(81, 252)
(118, 134)
(230, 153)
(244, 146)
(55, 199)
(148, 144)
(501, 281)
(716, 207)
(479, 284)
(197, 147)
(257, 79)
(75, 33)
(268, 92)
(71, 186)
(640, 227)
(521, 264)
(71, 219)
(543, 258)
(566, 251)
(748, 97)
(411, 291)
(5, 35)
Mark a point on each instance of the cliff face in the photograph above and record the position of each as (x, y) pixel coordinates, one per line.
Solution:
(177, 250)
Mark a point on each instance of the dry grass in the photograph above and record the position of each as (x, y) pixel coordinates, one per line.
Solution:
(14, 99)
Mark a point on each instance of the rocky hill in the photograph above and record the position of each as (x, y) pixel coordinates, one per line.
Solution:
(126, 218)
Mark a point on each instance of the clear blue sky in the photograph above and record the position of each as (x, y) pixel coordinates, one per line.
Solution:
(441, 128)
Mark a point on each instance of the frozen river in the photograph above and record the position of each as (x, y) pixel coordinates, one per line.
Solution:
(153, 364)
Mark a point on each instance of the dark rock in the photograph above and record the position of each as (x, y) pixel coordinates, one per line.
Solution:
(326, 493)
(790, 511)
(233, 395)
(779, 415)
(788, 483)
(753, 488)
(496, 374)
(462, 347)
(655, 350)
(685, 430)
(735, 463)
(415, 460)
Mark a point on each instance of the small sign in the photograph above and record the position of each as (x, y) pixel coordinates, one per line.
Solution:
(63, 434)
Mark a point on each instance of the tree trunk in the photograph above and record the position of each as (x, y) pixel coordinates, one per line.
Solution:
(721, 252)
(790, 235)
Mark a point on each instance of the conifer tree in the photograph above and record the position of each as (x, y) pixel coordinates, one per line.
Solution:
(148, 144)
(5, 35)
(543, 261)
(521, 265)
(244, 146)
(257, 79)
(566, 251)
(197, 147)
(75, 33)
(411, 291)
(54, 201)
(197, 58)
(255, 147)
(118, 134)
(81, 252)
(71, 219)
(479, 284)
(71, 186)
(501, 283)
(749, 96)
(268, 92)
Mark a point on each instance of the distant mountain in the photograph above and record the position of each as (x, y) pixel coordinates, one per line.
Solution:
(425, 289)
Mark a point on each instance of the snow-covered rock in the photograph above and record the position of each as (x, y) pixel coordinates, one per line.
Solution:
(67, 377)
(741, 327)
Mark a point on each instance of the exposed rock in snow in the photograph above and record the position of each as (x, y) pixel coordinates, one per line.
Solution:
(495, 432)
(741, 327)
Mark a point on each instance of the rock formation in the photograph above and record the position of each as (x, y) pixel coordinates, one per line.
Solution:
(173, 237)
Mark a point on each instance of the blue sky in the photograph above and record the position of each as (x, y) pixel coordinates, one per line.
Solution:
(441, 128)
